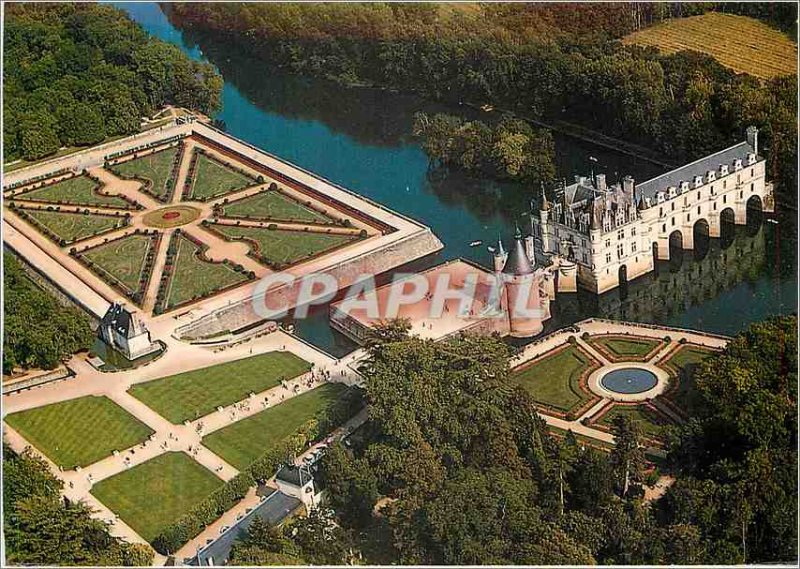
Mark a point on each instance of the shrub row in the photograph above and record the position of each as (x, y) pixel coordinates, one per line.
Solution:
(38, 178)
(52, 235)
(148, 146)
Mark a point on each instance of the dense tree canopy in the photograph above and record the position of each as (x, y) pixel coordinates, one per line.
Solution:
(38, 331)
(40, 529)
(78, 73)
(551, 61)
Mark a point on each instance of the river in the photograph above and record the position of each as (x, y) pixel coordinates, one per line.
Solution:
(360, 138)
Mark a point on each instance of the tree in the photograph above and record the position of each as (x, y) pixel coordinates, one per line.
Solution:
(627, 458)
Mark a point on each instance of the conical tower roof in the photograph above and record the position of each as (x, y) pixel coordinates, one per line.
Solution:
(518, 262)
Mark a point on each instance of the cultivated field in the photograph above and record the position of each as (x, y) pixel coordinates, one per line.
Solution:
(243, 442)
(742, 44)
(79, 432)
(152, 495)
(196, 393)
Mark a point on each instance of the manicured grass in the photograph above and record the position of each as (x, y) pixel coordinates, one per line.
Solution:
(651, 423)
(273, 205)
(152, 495)
(155, 168)
(212, 179)
(192, 394)
(79, 432)
(281, 247)
(193, 277)
(80, 190)
(243, 442)
(685, 361)
(737, 42)
(121, 260)
(73, 227)
(625, 348)
(554, 381)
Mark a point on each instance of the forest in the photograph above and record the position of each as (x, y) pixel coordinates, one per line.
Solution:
(39, 332)
(41, 529)
(557, 62)
(455, 466)
(76, 74)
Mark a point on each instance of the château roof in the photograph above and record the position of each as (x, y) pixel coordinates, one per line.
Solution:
(517, 262)
(700, 167)
(121, 319)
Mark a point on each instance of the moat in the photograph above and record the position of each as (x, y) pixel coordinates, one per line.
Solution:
(360, 138)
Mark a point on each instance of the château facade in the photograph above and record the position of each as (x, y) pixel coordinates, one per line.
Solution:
(601, 235)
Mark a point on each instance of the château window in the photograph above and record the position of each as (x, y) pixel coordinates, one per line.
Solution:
(724, 184)
(608, 257)
(608, 242)
(752, 187)
(621, 234)
(660, 212)
(673, 222)
(724, 199)
(633, 247)
(620, 250)
(673, 206)
(664, 228)
(698, 210)
(633, 231)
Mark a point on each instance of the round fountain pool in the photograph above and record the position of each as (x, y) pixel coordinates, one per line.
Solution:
(629, 380)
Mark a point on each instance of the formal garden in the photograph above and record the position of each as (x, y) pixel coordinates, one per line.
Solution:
(211, 178)
(158, 171)
(68, 227)
(274, 205)
(80, 190)
(244, 441)
(79, 432)
(281, 248)
(152, 495)
(124, 263)
(189, 276)
(193, 394)
(619, 348)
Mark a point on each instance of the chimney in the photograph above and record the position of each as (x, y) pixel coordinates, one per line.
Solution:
(752, 138)
(600, 181)
(627, 186)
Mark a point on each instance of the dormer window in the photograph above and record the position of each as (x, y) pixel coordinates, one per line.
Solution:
(751, 159)
(672, 191)
(737, 165)
(711, 176)
(698, 181)
(684, 187)
(723, 169)
(660, 198)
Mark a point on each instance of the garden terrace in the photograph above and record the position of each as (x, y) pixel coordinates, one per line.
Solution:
(245, 441)
(154, 494)
(78, 190)
(618, 348)
(67, 227)
(125, 263)
(189, 276)
(79, 432)
(557, 381)
(273, 205)
(650, 419)
(193, 394)
(210, 177)
(157, 170)
(282, 248)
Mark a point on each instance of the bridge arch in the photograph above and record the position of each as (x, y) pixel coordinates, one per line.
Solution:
(701, 237)
(754, 214)
(727, 227)
(675, 250)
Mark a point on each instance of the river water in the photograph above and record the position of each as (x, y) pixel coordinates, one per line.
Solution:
(360, 138)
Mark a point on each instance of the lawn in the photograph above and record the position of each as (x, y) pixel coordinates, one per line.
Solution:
(273, 205)
(279, 247)
(624, 348)
(243, 442)
(684, 362)
(651, 422)
(73, 227)
(121, 261)
(554, 381)
(212, 179)
(737, 42)
(80, 190)
(193, 278)
(196, 393)
(79, 432)
(152, 495)
(155, 168)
